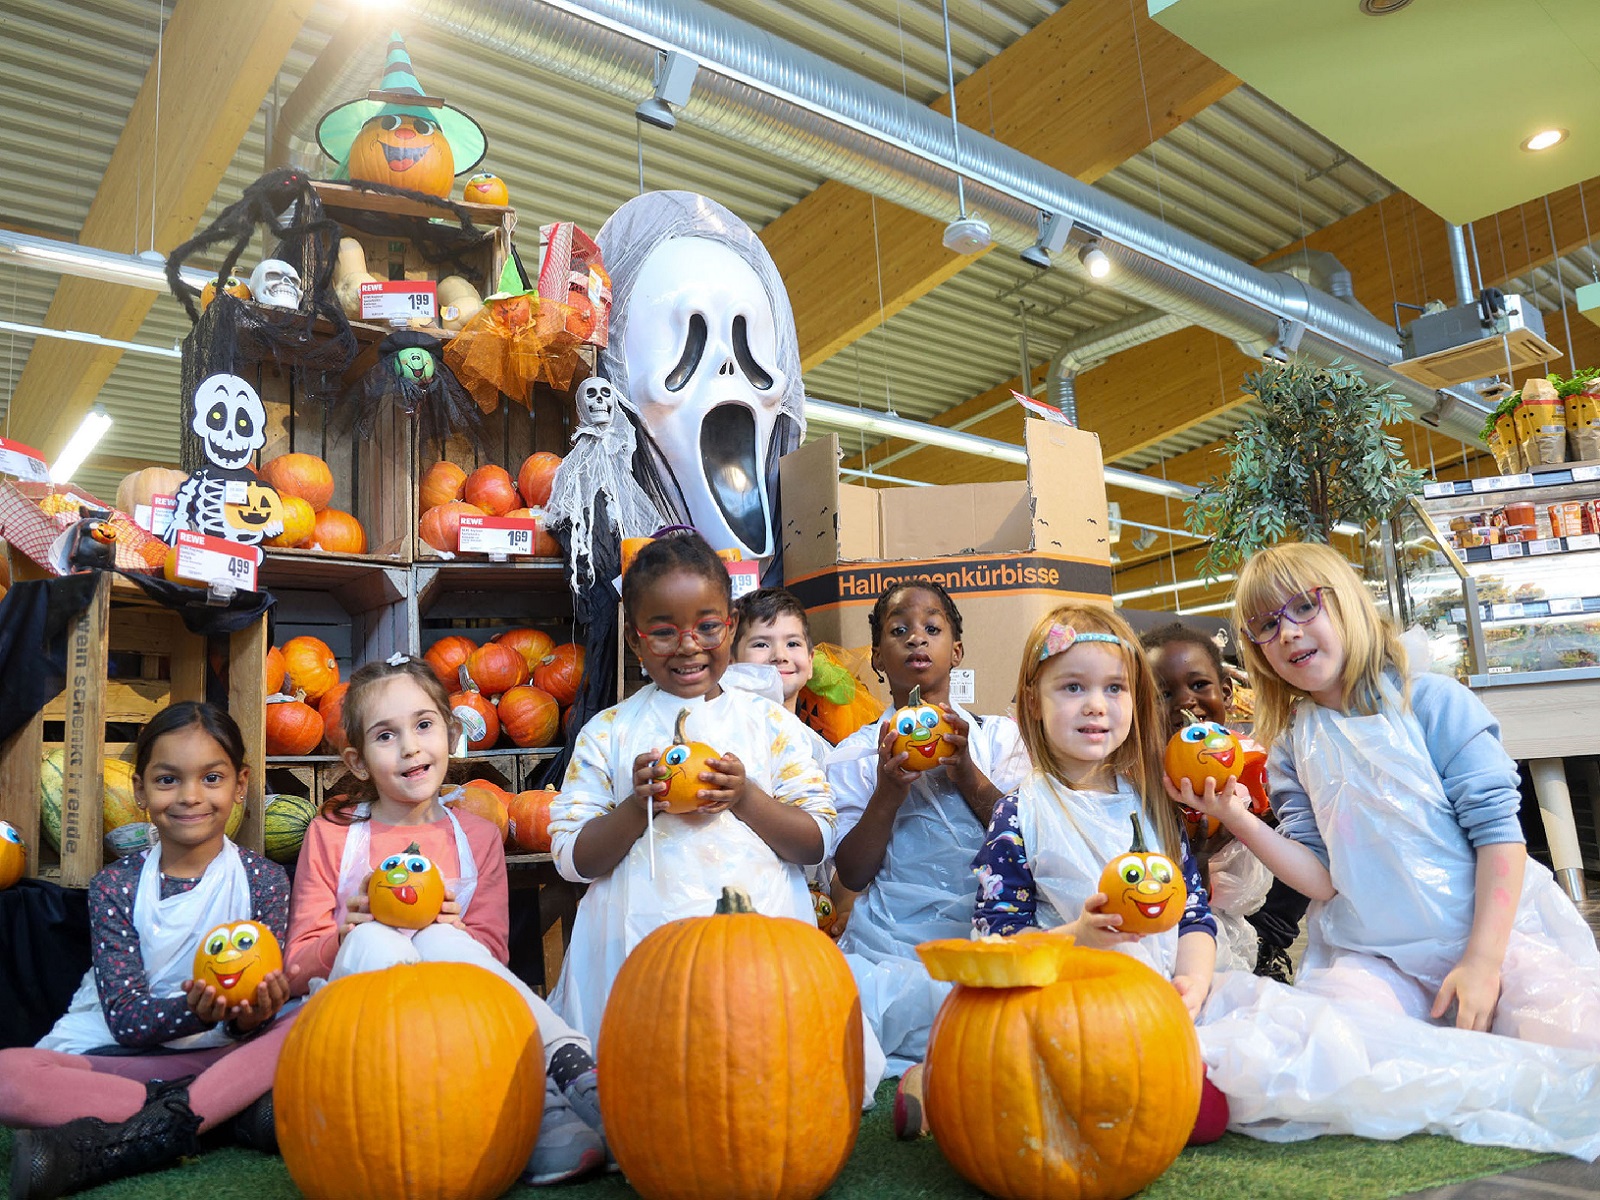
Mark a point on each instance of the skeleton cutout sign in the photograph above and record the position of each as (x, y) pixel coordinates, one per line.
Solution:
(223, 498)
(705, 362)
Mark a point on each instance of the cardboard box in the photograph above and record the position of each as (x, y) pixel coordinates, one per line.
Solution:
(1007, 552)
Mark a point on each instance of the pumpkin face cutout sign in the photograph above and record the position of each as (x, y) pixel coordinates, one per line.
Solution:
(1143, 887)
(920, 733)
(680, 768)
(235, 957)
(406, 891)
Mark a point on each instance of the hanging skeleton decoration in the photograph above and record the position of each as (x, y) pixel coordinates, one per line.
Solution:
(595, 500)
(224, 498)
(706, 364)
(411, 373)
(276, 284)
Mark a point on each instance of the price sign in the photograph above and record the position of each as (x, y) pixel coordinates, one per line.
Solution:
(399, 300)
(1502, 483)
(206, 560)
(1563, 607)
(22, 461)
(1544, 546)
(498, 536)
(746, 577)
(1430, 490)
(1585, 474)
(1584, 541)
(1504, 612)
(156, 517)
(1506, 550)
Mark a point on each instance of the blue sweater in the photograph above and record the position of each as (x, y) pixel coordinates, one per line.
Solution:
(1463, 740)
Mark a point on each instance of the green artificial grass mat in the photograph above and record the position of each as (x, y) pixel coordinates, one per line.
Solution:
(1330, 1168)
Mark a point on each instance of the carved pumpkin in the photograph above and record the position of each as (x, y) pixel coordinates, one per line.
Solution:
(338, 533)
(440, 526)
(309, 667)
(274, 671)
(680, 766)
(1144, 887)
(294, 728)
(480, 720)
(404, 151)
(561, 673)
(142, 487)
(677, 1025)
(1097, 1126)
(486, 188)
(406, 891)
(447, 656)
(303, 475)
(442, 1059)
(491, 489)
(494, 669)
(1032, 958)
(331, 709)
(919, 731)
(537, 476)
(235, 957)
(1202, 751)
(14, 854)
(441, 483)
(299, 522)
(532, 644)
(528, 817)
(529, 716)
(483, 799)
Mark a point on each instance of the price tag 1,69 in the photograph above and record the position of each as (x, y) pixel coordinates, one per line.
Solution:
(498, 536)
(399, 300)
(207, 560)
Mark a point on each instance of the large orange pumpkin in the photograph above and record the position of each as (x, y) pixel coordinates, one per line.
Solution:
(1144, 887)
(532, 644)
(494, 669)
(441, 483)
(1023, 1113)
(920, 731)
(235, 957)
(338, 533)
(561, 673)
(483, 799)
(490, 488)
(680, 766)
(294, 728)
(142, 487)
(439, 1063)
(529, 716)
(528, 820)
(447, 656)
(537, 476)
(331, 709)
(299, 522)
(309, 667)
(480, 720)
(679, 1058)
(274, 671)
(14, 854)
(406, 891)
(303, 475)
(403, 151)
(440, 526)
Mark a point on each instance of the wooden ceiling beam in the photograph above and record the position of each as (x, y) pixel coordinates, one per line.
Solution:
(1073, 93)
(206, 101)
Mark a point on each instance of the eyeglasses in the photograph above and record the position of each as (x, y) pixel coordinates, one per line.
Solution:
(1301, 609)
(664, 640)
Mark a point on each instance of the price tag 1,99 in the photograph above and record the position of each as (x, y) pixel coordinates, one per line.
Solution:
(399, 300)
(207, 560)
(498, 536)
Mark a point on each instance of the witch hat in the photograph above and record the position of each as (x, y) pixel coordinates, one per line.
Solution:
(401, 95)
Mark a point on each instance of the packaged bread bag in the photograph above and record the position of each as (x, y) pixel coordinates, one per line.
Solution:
(1500, 435)
(1583, 421)
(1541, 425)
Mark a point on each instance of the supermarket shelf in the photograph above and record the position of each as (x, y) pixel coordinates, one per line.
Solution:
(532, 574)
(1532, 609)
(358, 582)
(1517, 678)
(1533, 549)
(1540, 477)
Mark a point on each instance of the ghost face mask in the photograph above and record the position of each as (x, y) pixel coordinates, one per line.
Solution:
(230, 420)
(703, 374)
(276, 284)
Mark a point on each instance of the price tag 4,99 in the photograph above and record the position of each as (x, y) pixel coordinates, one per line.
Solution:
(203, 561)
(498, 536)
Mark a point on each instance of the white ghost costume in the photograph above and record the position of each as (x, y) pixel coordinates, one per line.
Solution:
(924, 888)
(1350, 1049)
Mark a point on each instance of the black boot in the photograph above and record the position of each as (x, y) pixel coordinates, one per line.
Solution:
(46, 1163)
(254, 1128)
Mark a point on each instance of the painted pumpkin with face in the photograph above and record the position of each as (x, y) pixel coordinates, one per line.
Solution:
(13, 855)
(235, 957)
(920, 733)
(406, 891)
(404, 151)
(1144, 887)
(1201, 751)
(513, 313)
(486, 188)
(680, 766)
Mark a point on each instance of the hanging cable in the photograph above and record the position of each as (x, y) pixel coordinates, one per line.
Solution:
(955, 125)
(1561, 284)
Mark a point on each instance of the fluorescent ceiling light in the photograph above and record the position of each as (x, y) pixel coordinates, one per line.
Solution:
(90, 262)
(1544, 139)
(1169, 588)
(1205, 608)
(95, 423)
(93, 339)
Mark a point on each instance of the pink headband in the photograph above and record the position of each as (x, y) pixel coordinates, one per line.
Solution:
(1062, 638)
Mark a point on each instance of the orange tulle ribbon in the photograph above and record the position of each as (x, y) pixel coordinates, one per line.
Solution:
(509, 345)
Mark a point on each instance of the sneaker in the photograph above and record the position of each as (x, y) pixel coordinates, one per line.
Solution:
(567, 1147)
(1273, 962)
(255, 1127)
(583, 1094)
(909, 1118)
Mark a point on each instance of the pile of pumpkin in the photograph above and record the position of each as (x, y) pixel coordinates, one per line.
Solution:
(512, 688)
(447, 492)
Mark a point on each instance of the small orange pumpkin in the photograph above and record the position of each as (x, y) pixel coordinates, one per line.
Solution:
(919, 733)
(486, 188)
(491, 489)
(403, 151)
(528, 817)
(537, 476)
(495, 669)
(309, 667)
(529, 716)
(532, 644)
(440, 484)
(274, 671)
(630, 550)
(233, 285)
(338, 533)
(447, 656)
(294, 728)
(680, 766)
(440, 526)
(1144, 887)
(299, 522)
(331, 709)
(406, 891)
(485, 799)
(561, 673)
(480, 720)
(14, 854)
(303, 475)
(235, 957)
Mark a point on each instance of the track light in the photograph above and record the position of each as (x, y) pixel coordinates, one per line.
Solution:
(95, 423)
(1054, 229)
(675, 74)
(1094, 261)
(1289, 334)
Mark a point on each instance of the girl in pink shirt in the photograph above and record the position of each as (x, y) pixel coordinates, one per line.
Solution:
(401, 728)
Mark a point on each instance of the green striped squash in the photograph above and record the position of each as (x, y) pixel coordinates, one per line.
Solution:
(124, 827)
(285, 826)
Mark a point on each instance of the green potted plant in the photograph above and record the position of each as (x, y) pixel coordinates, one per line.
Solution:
(1313, 455)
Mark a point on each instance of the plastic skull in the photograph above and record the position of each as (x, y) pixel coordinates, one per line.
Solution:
(597, 402)
(230, 420)
(705, 380)
(276, 284)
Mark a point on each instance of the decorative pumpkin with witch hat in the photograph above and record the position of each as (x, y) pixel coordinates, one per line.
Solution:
(400, 136)
(1145, 888)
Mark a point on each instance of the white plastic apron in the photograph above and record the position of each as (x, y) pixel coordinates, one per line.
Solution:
(354, 866)
(169, 931)
(1070, 836)
(1238, 882)
(696, 856)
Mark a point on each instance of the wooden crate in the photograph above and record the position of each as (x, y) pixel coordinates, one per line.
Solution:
(121, 618)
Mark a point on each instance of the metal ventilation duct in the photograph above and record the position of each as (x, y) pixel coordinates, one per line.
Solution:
(766, 93)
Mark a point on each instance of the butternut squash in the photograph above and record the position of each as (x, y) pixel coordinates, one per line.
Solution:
(459, 302)
(348, 276)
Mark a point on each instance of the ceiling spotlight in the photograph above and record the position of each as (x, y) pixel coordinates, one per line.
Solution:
(674, 81)
(1544, 139)
(1054, 229)
(967, 235)
(1094, 261)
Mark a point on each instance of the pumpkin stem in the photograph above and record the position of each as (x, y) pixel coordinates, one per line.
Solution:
(679, 734)
(735, 900)
(1138, 846)
(1189, 718)
(915, 698)
(413, 849)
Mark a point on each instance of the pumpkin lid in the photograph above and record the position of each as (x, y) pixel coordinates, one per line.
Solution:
(1031, 959)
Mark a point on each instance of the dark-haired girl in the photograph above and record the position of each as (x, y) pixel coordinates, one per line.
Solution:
(146, 1057)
